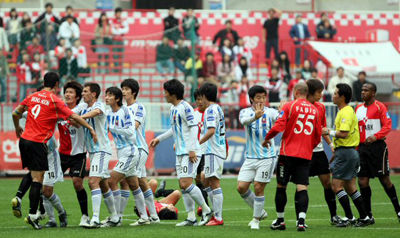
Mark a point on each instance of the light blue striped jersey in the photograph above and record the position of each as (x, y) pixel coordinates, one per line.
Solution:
(214, 118)
(256, 132)
(139, 114)
(99, 124)
(121, 127)
(182, 119)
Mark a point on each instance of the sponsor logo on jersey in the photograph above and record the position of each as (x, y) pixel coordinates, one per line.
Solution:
(387, 115)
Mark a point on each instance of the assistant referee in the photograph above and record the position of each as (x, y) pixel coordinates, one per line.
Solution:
(346, 138)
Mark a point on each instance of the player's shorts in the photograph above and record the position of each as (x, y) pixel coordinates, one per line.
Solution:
(347, 163)
(260, 170)
(55, 173)
(319, 164)
(128, 161)
(33, 155)
(185, 168)
(213, 166)
(200, 168)
(141, 169)
(292, 169)
(374, 159)
(99, 164)
(75, 163)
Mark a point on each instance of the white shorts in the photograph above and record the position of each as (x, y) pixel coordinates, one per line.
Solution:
(54, 174)
(185, 168)
(259, 170)
(213, 166)
(128, 160)
(141, 169)
(99, 164)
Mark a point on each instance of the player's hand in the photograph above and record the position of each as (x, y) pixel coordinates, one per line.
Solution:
(94, 135)
(370, 139)
(154, 143)
(174, 147)
(259, 110)
(192, 156)
(281, 104)
(266, 143)
(18, 131)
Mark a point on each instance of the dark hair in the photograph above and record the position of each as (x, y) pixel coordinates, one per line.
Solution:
(40, 88)
(324, 14)
(48, 5)
(75, 86)
(285, 63)
(51, 79)
(167, 214)
(174, 87)
(69, 17)
(254, 90)
(276, 68)
(117, 94)
(133, 85)
(228, 21)
(94, 88)
(339, 68)
(374, 88)
(209, 91)
(344, 90)
(68, 49)
(118, 9)
(100, 21)
(69, 7)
(314, 85)
(209, 53)
(196, 93)
(363, 72)
(314, 70)
(13, 10)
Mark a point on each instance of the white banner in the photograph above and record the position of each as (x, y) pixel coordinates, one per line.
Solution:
(378, 58)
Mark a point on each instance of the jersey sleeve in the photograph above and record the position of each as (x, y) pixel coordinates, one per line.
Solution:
(386, 123)
(100, 106)
(245, 118)
(189, 116)
(128, 130)
(79, 108)
(211, 118)
(62, 109)
(140, 114)
(273, 114)
(25, 102)
(318, 130)
(280, 124)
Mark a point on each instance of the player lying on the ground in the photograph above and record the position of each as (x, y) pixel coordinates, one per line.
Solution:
(165, 207)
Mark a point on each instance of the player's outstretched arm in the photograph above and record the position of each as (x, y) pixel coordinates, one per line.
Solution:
(160, 138)
(17, 114)
(83, 123)
(92, 114)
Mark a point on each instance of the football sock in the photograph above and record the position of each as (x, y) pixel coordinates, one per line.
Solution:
(391, 192)
(331, 201)
(49, 209)
(117, 200)
(280, 203)
(358, 202)
(140, 204)
(56, 202)
(345, 202)
(24, 185)
(248, 198)
(124, 201)
(303, 205)
(203, 192)
(218, 200)
(196, 195)
(149, 200)
(96, 203)
(366, 194)
(210, 195)
(34, 197)
(41, 207)
(258, 210)
(296, 204)
(83, 203)
(189, 205)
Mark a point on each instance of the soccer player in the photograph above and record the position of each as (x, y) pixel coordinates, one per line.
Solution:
(346, 138)
(130, 90)
(72, 147)
(260, 161)
(44, 110)
(187, 149)
(300, 123)
(99, 154)
(319, 165)
(374, 124)
(213, 136)
(122, 129)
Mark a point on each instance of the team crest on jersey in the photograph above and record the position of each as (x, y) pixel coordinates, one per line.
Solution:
(281, 114)
(343, 120)
(187, 110)
(387, 115)
(116, 122)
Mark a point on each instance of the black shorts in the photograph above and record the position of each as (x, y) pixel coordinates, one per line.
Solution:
(319, 164)
(75, 163)
(374, 160)
(292, 169)
(33, 155)
(200, 168)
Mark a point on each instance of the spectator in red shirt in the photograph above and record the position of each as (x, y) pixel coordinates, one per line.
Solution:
(24, 76)
(210, 69)
(119, 28)
(44, 109)
(35, 47)
(301, 126)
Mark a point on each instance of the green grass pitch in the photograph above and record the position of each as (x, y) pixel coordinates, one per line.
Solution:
(236, 216)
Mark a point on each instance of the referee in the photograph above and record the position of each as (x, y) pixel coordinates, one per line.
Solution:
(375, 124)
(346, 138)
